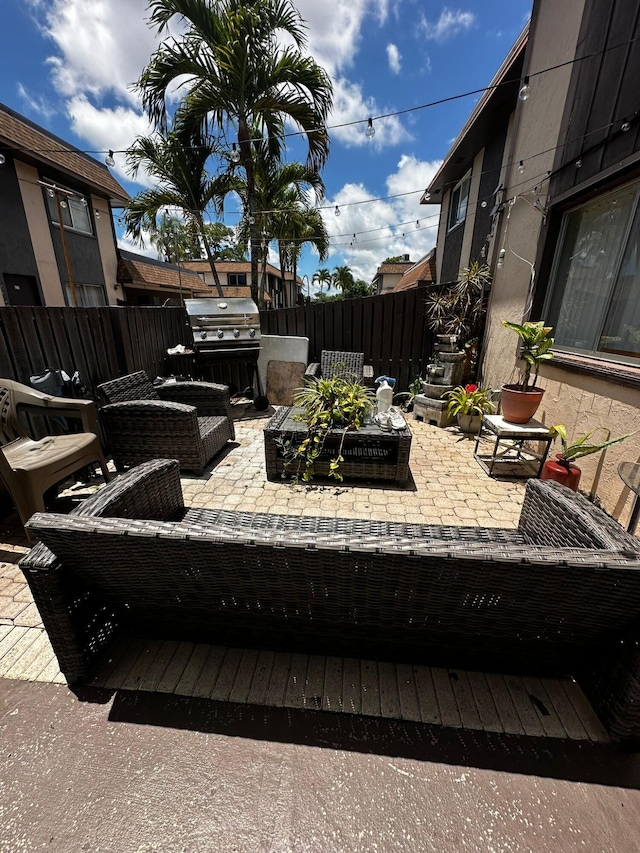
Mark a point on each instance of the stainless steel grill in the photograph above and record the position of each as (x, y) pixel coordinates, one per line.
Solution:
(224, 328)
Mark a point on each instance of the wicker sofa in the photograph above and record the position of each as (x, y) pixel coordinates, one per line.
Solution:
(561, 594)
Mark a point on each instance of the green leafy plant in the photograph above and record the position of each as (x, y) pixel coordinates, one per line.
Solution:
(406, 398)
(459, 308)
(580, 447)
(338, 402)
(469, 400)
(535, 345)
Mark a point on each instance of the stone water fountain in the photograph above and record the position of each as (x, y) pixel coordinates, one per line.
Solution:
(444, 374)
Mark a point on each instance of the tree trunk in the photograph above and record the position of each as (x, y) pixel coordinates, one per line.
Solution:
(212, 263)
(246, 158)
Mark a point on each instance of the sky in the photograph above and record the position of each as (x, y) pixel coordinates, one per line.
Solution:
(69, 66)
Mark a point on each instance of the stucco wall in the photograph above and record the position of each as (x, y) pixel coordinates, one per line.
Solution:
(106, 244)
(554, 32)
(583, 403)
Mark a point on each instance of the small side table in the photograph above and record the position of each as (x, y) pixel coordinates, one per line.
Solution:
(508, 451)
(629, 473)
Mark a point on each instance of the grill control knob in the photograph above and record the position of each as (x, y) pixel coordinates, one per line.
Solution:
(203, 335)
(220, 333)
(236, 333)
(252, 333)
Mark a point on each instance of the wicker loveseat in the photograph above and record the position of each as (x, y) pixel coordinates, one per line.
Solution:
(561, 594)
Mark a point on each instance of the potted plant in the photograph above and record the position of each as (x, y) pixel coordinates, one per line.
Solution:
(562, 469)
(469, 403)
(340, 402)
(407, 397)
(520, 400)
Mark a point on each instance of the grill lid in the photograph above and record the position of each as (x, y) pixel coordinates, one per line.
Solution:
(214, 306)
(218, 323)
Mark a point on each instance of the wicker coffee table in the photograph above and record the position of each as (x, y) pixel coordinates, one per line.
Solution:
(369, 453)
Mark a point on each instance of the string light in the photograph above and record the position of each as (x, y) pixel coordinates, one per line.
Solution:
(2, 159)
(501, 258)
(578, 164)
(97, 213)
(625, 126)
(417, 223)
(483, 203)
(109, 160)
(63, 203)
(427, 196)
(521, 167)
(234, 155)
(525, 90)
(51, 192)
(370, 132)
(337, 211)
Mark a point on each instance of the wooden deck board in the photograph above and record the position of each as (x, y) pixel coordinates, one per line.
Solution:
(407, 693)
(351, 686)
(296, 683)
(332, 698)
(370, 687)
(279, 679)
(447, 705)
(427, 700)
(314, 690)
(227, 675)
(207, 679)
(261, 678)
(509, 718)
(244, 676)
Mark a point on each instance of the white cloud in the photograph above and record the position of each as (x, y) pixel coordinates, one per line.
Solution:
(383, 228)
(448, 25)
(350, 105)
(34, 103)
(105, 129)
(394, 57)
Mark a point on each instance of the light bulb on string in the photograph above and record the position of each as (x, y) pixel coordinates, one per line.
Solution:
(417, 223)
(578, 164)
(3, 159)
(370, 132)
(501, 258)
(252, 220)
(234, 154)
(337, 211)
(51, 192)
(63, 203)
(483, 204)
(525, 90)
(625, 126)
(109, 160)
(355, 239)
(97, 213)
(84, 202)
(427, 196)
(521, 167)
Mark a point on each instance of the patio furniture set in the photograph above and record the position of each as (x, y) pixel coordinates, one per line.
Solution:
(558, 595)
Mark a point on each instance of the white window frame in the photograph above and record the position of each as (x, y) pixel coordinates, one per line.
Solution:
(457, 205)
(73, 201)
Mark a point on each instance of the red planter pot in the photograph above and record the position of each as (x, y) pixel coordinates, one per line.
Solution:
(518, 406)
(569, 477)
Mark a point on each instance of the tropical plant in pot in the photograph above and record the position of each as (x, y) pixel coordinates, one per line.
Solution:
(468, 404)
(336, 403)
(562, 468)
(520, 400)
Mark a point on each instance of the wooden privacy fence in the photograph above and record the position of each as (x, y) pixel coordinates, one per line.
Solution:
(390, 329)
(100, 343)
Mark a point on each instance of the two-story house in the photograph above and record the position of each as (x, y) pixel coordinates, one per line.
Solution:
(57, 240)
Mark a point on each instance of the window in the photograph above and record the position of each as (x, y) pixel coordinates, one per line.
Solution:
(594, 300)
(459, 201)
(89, 295)
(75, 215)
(237, 279)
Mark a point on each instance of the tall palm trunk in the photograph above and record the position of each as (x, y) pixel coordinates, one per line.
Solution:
(246, 158)
(212, 263)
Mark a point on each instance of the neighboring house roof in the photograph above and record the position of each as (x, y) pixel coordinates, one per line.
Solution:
(496, 104)
(228, 266)
(394, 269)
(422, 270)
(40, 147)
(151, 274)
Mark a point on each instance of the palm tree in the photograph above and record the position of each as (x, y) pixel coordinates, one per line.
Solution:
(341, 276)
(241, 78)
(303, 226)
(177, 162)
(322, 277)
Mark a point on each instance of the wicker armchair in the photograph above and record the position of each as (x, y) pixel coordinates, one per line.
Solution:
(561, 594)
(187, 421)
(333, 363)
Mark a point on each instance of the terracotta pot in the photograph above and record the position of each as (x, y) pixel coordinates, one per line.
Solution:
(569, 477)
(469, 423)
(518, 406)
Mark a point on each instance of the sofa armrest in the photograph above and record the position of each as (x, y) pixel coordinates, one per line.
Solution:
(151, 412)
(45, 404)
(312, 371)
(78, 623)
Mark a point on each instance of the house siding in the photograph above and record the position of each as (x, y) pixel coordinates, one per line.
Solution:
(452, 253)
(489, 180)
(16, 251)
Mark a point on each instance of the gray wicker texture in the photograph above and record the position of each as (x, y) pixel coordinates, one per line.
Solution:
(461, 597)
(369, 453)
(188, 421)
(334, 363)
